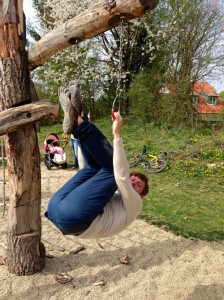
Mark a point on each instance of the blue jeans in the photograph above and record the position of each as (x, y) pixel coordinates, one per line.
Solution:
(74, 206)
(75, 144)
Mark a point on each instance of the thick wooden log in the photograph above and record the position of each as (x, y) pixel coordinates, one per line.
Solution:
(14, 88)
(25, 253)
(30, 259)
(16, 117)
(98, 19)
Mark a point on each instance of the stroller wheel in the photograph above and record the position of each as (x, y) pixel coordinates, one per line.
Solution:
(65, 165)
(49, 165)
(47, 161)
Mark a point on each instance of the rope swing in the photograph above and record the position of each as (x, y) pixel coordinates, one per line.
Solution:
(3, 168)
(119, 74)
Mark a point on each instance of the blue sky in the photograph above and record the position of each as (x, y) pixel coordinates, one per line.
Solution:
(28, 9)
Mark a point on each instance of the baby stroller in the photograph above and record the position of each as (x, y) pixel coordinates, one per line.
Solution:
(54, 153)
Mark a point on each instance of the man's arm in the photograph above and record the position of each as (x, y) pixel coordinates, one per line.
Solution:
(132, 201)
(117, 125)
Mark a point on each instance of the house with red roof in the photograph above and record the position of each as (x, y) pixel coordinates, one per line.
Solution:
(206, 101)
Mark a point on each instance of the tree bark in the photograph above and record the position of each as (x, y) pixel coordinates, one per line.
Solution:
(100, 18)
(25, 254)
(16, 117)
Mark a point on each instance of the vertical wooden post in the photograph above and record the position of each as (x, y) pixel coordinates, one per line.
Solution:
(26, 254)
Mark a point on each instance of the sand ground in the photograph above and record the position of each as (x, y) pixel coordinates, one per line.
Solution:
(161, 265)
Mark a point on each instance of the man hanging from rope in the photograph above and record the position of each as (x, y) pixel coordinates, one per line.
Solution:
(89, 205)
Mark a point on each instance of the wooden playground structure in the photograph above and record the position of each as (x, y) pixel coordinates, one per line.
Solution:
(20, 110)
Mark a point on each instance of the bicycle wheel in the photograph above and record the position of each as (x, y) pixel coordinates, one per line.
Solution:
(133, 160)
(156, 166)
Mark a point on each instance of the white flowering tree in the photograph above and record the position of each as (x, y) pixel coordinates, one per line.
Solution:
(25, 252)
(189, 49)
(195, 38)
(182, 42)
(97, 60)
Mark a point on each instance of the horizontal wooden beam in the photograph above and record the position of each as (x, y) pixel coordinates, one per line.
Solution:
(92, 22)
(16, 117)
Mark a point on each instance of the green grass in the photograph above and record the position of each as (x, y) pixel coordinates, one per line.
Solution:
(186, 206)
(187, 198)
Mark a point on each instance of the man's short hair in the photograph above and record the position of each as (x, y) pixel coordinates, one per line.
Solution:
(144, 178)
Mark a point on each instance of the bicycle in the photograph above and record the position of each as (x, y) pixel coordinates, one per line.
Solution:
(151, 163)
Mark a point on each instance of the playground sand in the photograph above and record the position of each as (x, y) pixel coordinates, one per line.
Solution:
(159, 265)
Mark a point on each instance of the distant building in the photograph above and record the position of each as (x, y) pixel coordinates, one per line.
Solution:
(206, 101)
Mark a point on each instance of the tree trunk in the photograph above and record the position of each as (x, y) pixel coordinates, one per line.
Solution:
(25, 254)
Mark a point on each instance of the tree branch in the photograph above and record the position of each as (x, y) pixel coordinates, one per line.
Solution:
(16, 117)
(87, 25)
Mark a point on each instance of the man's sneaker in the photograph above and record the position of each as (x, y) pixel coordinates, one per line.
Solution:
(70, 114)
(70, 121)
(75, 96)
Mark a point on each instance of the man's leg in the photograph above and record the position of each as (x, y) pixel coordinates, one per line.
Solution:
(73, 212)
(73, 208)
(63, 198)
(74, 144)
(82, 199)
(73, 151)
(76, 153)
(95, 147)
